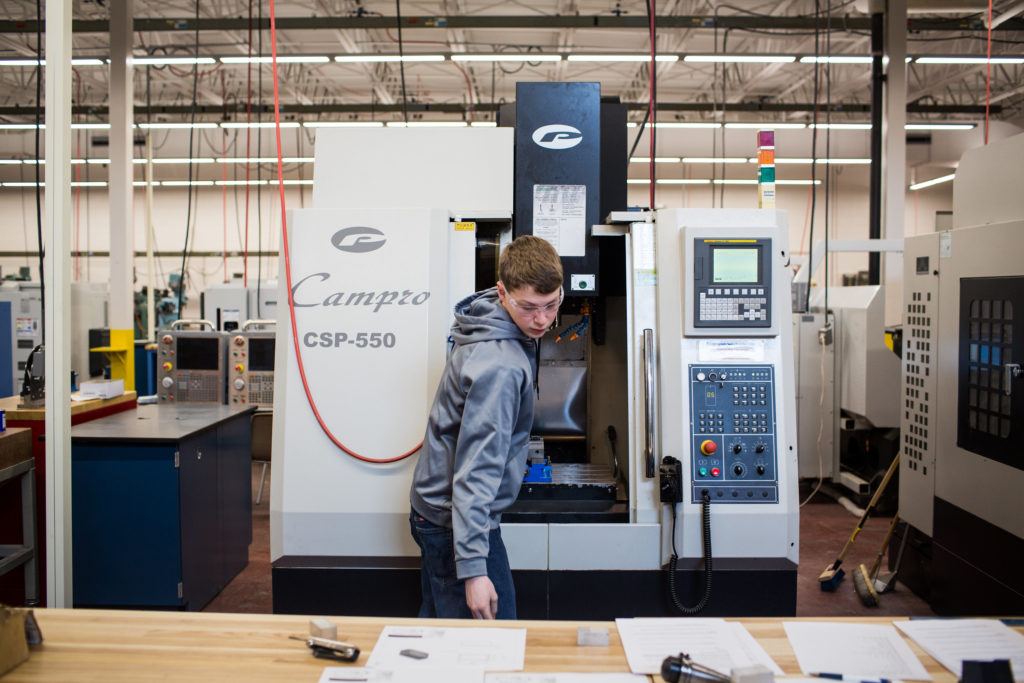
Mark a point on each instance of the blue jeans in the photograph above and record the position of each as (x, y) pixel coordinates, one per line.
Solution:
(444, 595)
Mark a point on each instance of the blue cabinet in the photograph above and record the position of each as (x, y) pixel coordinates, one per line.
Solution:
(161, 505)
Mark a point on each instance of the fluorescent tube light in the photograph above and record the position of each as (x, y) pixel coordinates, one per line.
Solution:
(182, 160)
(714, 160)
(836, 59)
(767, 125)
(679, 124)
(933, 181)
(427, 124)
(657, 160)
(939, 126)
(167, 61)
(841, 126)
(293, 182)
(503, 57)
(342, 124)
(735, 181)
(364, 59)
(241, 182)
(186, 183)
(682, 181)
(483, 124)
(90, 183)
(177, 126)
(622, 58)
(969, 60)
(807, 160)
(75, 61)
(260, 124)
(750, 59)
(797, 182)
(289, 59)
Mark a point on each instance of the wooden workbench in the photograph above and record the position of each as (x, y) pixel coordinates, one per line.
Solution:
(105, 645)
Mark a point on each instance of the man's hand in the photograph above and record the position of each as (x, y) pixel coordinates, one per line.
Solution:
(481, 597)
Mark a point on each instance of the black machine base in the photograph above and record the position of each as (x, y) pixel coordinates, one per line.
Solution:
(969, 566)
(391, 587)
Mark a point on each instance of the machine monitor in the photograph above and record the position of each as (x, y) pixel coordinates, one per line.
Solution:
(732, 283)
(190, 367)
(250, 360)
(198, 353)
(261, 354)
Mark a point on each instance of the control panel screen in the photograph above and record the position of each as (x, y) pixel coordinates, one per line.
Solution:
(261, 354)
(737, 265)
(198, 353)
(732, 283)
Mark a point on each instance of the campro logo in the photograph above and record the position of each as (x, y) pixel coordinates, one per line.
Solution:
(358, 239)
(557, 136)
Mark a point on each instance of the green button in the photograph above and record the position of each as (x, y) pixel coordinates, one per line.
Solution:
(703, 471)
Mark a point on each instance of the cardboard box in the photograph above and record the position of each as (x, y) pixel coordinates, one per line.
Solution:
(102, 388)
(13, 643)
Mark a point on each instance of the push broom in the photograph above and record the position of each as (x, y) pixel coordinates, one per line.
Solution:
(834, 573)
(864, 580)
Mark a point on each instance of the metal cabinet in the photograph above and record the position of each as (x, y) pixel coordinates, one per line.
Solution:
(161, 506)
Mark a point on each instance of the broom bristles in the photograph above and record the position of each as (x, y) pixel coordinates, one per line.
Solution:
(865, 591)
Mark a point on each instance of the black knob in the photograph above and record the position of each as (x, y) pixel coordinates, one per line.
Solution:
(759, 448)
(738, 470)
(713, 376)
(737, 448)
(760, 469)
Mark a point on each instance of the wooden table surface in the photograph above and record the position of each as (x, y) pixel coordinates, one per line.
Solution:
(116, 645)
(10, 404)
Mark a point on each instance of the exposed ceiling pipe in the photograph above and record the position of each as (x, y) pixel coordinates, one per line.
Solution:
(1011, 11)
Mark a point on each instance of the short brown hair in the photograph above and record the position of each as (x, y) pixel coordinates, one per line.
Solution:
(530, 260)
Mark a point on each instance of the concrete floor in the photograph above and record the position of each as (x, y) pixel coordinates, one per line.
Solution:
(825, 527)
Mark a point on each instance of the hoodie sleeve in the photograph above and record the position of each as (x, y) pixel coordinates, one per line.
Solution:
(493, 389)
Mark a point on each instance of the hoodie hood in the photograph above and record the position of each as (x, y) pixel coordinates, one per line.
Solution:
(481, 317)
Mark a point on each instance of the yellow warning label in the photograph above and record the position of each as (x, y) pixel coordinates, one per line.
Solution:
(466, 225)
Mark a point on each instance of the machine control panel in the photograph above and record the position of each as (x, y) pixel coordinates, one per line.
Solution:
(250, 363)
(190, 367)
(733, 430)
(732, 283)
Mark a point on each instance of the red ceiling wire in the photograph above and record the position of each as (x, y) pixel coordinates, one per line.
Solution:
(288, 269)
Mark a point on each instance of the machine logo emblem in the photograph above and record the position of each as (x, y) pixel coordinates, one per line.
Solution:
(557, 136)
(357, 239)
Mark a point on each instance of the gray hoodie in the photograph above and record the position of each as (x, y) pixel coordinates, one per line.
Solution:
(474, 452)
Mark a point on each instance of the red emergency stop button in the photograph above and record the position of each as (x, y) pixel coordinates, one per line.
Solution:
(708, 447)
(167, 366)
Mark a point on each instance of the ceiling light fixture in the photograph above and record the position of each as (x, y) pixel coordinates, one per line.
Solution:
(622, 58)
(969, 60)
(657, 160)
(933, 181)
(260, 124)
(767, 125)
(177, 126)
(364, 59)
(836, 59)
(940, 126)
(75, 61)
(505, 57)
(841, 126)
(169, 61)
(714, 160)
(427, 124)
(288, 59)
(679, 124)
(748, 59)
(343, 124)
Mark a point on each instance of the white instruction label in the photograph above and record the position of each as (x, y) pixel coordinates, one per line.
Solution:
(560, 217)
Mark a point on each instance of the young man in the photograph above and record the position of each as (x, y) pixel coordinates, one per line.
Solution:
(474, 453)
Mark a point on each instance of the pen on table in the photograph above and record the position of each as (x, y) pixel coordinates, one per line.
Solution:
(855, 679)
